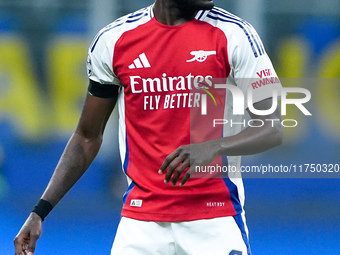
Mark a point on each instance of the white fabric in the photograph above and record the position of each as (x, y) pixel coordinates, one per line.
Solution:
(218, 236)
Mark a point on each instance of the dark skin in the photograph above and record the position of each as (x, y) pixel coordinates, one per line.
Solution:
(176, 12)
(79, 153)
(85, 142)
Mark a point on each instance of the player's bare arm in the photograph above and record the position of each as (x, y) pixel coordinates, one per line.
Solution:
(80, 151)
(252, 140)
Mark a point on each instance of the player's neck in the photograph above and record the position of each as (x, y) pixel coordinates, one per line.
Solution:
(168, 13)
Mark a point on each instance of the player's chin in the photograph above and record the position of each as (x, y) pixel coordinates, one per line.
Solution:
(205, 4)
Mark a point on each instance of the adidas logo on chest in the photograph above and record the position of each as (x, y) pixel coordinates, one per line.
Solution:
(140, 62)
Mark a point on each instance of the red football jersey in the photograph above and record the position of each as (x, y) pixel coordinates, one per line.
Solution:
(166, 74)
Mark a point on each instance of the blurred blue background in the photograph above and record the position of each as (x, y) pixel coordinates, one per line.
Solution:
(43, 49)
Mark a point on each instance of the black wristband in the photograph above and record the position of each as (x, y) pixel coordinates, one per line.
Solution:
(43, 208)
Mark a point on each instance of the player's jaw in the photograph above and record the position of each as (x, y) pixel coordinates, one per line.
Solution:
(195, 5)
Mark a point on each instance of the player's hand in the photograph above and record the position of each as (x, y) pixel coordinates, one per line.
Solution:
(187, 156)
(26, 239)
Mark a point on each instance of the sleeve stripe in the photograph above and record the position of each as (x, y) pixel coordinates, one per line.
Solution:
(201, 15)
(130, 19)
(253, 39)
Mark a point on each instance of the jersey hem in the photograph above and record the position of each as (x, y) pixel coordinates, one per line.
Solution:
(175, 218)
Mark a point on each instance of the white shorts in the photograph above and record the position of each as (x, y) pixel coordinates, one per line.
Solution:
(218, 236)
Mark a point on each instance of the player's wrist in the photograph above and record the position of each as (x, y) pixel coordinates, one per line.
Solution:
(214, 147)
(42, 209)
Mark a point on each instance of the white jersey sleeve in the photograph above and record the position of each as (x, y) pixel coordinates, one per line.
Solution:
(101, 50)
(251, 69)
(99, 60)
